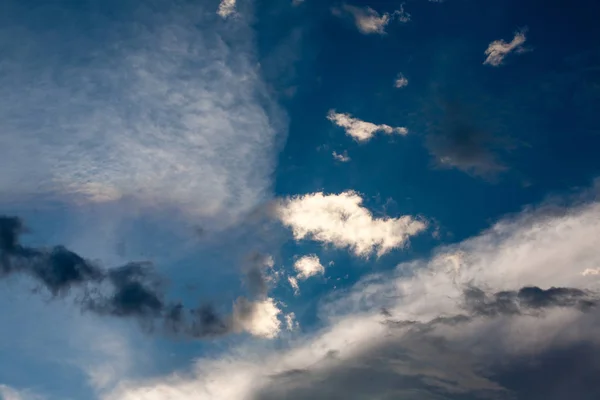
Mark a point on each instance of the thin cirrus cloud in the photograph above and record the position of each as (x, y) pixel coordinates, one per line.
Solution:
(362, 131)
(499, 49)
(342, 221)
(368, 21)
(170, 114)
(457, 324)
(341, 157)
(9, 393)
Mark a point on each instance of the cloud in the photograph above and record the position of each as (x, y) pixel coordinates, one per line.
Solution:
(369, 21)
(400, 81)
(341, 157)
(9, 393)
(499, 49)
(461, 141)
(491, 317)
(226, 8)
(134, 290)
(153, 113)
(342, 221)
(362, 131)
(308, 266)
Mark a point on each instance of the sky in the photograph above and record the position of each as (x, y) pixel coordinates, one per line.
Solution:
(299, 199)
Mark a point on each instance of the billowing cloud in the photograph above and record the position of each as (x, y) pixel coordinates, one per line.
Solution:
(499, 49)
(494, 316)
(226, 8)
(361, 131)
(400, 81)
(343, 157)
(164, 110)
(307, 266)
(342, 221)
(369, 21)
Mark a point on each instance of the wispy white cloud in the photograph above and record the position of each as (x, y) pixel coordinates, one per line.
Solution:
(369, 21)
(499, 49)
(226, 8)
(9, 393)
(343, 157)
(342, 221)
(171, 114)
(400, 81)
(428, 333)
(362, 131)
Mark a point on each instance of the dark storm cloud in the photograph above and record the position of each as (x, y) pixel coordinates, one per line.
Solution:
(129, 291)
(461, 140)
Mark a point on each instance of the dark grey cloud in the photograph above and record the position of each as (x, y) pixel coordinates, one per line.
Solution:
(416, 361)
(460, 139)
(130, 291)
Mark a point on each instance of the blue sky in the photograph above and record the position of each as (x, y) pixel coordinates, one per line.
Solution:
(296, 200)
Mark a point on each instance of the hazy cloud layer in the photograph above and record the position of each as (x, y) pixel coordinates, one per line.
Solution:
(362, 131)
(342, 221)
(458, 325)
(160, 109)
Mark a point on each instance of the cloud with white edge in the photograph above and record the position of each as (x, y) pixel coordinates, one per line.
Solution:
(362, 131)
(499, 49)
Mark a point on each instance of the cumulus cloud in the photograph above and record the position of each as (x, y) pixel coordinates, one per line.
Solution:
(491, 317)
(499, 49)
(164, 110)
(308, 266)
(226, 8)
(343, 157)
(369, 21)
(361, 131)
(342, 221)
(400, 81)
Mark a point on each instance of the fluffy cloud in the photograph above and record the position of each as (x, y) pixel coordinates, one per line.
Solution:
(400, 81)
(172, 114)
(499, 49)
(259, 318)
(226, 8)
(511, 300)
(343, 157)
(342, 221)
(308, 266)
(369, 21)
(361, 131)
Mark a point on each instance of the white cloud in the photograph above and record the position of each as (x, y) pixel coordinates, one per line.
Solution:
(169, 115)
(294, 284)
(341, 157)
(259, 318)
(361, 131)
(290, 322)
(400, 81)
(534, 248)
(308, 266)
(591, 271)
(369, 21)
(226, 8)
(499, 49)
(341, 220)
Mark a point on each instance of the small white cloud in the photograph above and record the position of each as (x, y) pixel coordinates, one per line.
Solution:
(259, 318)
(369, 21)
(308, 266)
(341, 157)
(9, 393)
(290, 322)
(400, 81)
(294, 284)
(591, 271)
(226, 8)
(362, 131)
(499, 49)
(342, 221)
